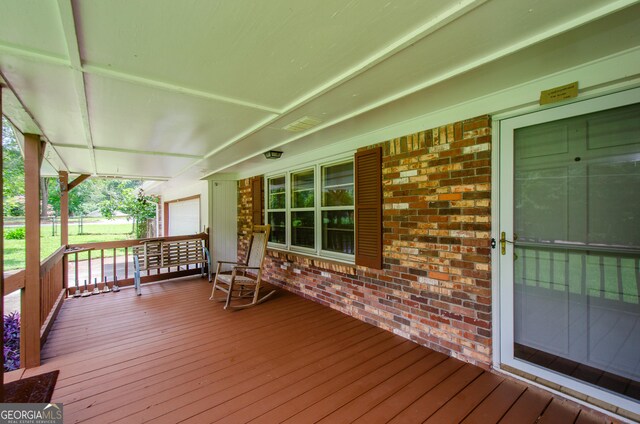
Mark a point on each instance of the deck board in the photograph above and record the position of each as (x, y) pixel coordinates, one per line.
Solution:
(527, 408)
(458, 407)
(409, 394)
(367, 401)
(373, 376)
(327, 376)
(558, 412)
(434, 399)
(495, 405)
(172, 355)
(221, 404)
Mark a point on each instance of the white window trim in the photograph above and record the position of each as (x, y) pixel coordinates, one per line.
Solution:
(267, 209)
(318, 209)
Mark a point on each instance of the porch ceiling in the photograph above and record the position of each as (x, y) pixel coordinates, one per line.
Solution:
(168, 90)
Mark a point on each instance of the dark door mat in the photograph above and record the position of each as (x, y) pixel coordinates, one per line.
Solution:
(37, 389)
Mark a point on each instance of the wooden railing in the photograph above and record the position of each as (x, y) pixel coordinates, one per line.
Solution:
(52, 294)
(13, 282)
(92, 262)
(52, 291)
(55, 284)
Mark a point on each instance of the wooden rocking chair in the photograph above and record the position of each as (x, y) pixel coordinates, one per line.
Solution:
(245, 278)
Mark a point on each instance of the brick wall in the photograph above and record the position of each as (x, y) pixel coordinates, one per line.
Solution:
(435, 287)
(245, 216)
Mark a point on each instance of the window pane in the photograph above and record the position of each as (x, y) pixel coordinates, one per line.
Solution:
(302, 189)
(337, 231)
(276, 193)
(302, 229)
(337, 185)
(278, 227)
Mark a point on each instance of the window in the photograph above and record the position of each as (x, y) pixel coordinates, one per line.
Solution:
(303, 209)
(276, 209)
(311, 210)
(337, 208)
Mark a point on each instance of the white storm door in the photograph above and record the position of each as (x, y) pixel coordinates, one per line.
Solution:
(570, 275)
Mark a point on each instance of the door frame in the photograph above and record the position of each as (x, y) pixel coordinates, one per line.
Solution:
(502, 220)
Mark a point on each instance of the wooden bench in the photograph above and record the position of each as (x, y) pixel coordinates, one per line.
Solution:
(157, 254)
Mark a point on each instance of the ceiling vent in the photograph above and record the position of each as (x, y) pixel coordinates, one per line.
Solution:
(302, 124)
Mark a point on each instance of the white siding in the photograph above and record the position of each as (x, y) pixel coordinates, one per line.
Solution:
(224, 221)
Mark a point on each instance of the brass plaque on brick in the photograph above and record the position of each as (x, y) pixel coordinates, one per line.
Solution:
(557, 94)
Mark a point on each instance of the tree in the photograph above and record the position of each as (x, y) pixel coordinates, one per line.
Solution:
(44, 197)
(85, 198)
(12, 172)
(129, 198)
(13, 176)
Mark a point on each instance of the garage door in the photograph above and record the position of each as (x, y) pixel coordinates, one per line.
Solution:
(184, 217)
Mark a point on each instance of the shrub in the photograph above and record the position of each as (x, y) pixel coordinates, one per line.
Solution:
(14, 206)
(15, 234)
(12, 341)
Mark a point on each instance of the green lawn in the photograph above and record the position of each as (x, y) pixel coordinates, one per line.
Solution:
(14, 250)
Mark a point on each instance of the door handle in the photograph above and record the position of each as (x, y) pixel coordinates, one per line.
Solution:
(504, 241)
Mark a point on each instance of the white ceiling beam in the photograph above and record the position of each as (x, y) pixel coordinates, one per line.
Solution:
(122, 76)
(191, 166)
(69, 27)
(92, 69)
(136, 79)
(130, 177)
(35, 55)
(132, 151)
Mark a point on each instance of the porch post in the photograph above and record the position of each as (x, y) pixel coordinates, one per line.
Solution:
(64, 207)
(63, 177)
(30, 304)
(165, 217)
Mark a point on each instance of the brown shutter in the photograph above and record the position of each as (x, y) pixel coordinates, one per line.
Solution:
(368, 184)
(257, 200)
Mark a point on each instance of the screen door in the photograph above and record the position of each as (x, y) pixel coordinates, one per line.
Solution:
(573, 237)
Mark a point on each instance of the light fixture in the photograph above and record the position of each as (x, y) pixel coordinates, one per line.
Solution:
(273, 154)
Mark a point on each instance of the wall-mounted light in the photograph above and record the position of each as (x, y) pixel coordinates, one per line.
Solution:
(273, 154)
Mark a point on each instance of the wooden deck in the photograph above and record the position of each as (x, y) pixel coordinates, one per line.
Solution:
(173, 356)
